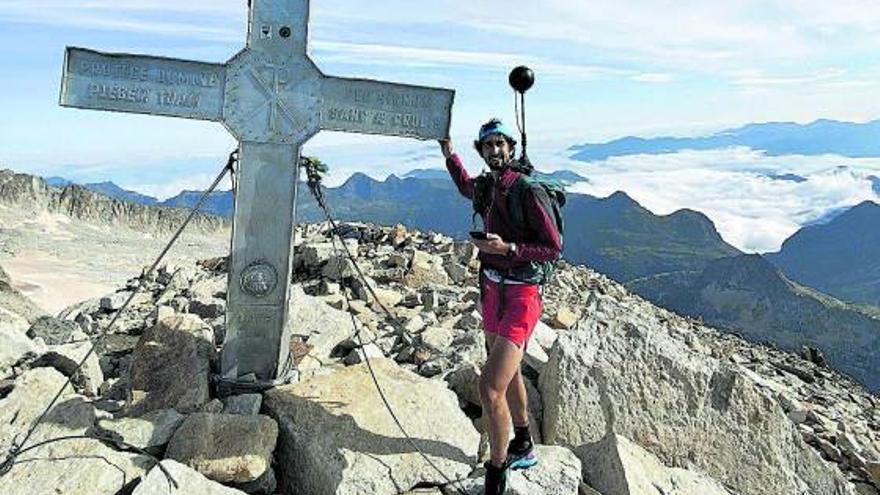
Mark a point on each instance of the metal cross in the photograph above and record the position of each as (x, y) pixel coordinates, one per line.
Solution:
(272, 98)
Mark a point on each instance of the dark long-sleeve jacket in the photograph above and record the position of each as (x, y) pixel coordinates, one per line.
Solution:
(537, 240)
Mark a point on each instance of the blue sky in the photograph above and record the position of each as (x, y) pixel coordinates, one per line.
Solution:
(605, 69)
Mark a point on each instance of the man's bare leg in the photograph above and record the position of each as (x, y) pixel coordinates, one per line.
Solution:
(503, 363)
(517, 399)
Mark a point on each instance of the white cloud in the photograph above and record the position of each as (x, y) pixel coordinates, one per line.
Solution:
(751, 211)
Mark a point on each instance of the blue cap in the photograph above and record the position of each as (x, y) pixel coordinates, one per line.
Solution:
(495, 126)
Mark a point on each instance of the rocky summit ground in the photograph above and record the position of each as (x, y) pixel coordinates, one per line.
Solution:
(625, 397)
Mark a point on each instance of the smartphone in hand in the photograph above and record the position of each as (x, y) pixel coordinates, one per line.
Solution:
(478, 234)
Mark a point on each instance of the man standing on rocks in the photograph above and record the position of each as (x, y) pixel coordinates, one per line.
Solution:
(510, 288)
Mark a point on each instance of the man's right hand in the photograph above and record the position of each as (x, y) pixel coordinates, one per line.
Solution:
(446, 147)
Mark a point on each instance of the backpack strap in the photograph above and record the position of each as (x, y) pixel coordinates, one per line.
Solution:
(516, 200)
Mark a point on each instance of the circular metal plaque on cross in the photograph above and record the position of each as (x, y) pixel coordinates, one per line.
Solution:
(259, 279)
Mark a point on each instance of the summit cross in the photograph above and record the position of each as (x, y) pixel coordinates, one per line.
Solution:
(272, 97)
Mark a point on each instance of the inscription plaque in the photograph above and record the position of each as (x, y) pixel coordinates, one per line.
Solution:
(374, 107)
(272, 97)
(140, 84)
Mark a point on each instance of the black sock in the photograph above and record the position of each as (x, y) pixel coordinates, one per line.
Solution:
(521, 434)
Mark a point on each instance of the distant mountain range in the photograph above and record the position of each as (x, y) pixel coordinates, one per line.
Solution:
(678, 261)
(748, 295)
(774, 138)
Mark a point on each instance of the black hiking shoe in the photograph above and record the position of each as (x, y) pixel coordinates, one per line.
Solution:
(496, 479)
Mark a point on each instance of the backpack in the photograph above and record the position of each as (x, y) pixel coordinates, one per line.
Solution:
(550, 194)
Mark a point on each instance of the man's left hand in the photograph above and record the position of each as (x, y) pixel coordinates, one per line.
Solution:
(493, 245)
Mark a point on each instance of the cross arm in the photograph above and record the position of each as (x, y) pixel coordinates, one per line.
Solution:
(375, 107)
(142, 84)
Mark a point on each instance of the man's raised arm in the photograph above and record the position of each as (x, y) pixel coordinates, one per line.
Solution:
(456, 169)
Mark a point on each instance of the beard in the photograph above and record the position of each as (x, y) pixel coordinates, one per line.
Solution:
(497, 162)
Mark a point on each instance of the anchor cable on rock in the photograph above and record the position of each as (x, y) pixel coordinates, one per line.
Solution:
(313, 180)
(18, 447)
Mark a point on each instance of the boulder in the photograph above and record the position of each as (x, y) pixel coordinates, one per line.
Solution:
(558, 472)
(437, 338)
(631, 377)
(338, 267)
(425, 270)
(170, 365)
(247, 404)
(319, 325)
(338, 438)
(564, 318)
(71, 467)
(617, 465)
(356, 356)
(229, 448)
(66, 358)
(52, 330)
(150, 431)
(16, 346)
(189, 482)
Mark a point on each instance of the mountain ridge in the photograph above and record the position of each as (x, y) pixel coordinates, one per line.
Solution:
(823, 136)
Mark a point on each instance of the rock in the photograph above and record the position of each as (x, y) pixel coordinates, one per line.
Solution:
(617, 465)
(75, 467)
(465, 382)
(225, 447)
(425, 270)
(535, 356)
(338, 267)
(457, 272)
(153, 429)
(684, 407)
(88, 378)
(564, 318)
(189, 482)
(321, 326)
(246, 404)
(52, 330)
(471, 320)
(366, 453)
(543, 335)
(873, 468)
(398, 235)
(429, 369)
(383, 297)
(114, 301)
(355, 356)
(213, 406)
(558, 472)
(313, 255)
(430, 299)
(16, 346)
(829, 449)
(437, 338)
(207, 308)
(170, 365)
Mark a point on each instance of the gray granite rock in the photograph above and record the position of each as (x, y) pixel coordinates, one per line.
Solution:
(225, 447)
(149, 431)
(169, 366)
(337, 437)
(189, 482)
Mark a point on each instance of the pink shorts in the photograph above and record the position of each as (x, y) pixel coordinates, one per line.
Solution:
(522, 310)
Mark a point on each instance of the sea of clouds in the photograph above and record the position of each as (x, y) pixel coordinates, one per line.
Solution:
(737, 188)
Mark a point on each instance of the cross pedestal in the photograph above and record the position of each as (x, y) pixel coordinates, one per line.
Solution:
(272, 98)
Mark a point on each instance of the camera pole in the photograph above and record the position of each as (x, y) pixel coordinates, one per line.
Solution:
(521, 79)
